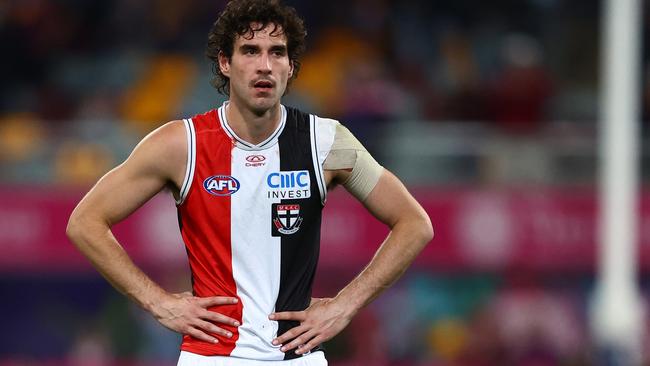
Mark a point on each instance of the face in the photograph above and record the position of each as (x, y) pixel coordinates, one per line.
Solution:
(258, 69)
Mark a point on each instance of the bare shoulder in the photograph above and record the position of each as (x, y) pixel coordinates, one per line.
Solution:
(157, 161)
(163, 151)
(170, 137)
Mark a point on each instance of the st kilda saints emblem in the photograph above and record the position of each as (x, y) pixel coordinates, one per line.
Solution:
(286, 218)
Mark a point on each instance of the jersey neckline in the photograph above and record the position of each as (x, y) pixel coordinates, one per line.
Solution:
(245, 145)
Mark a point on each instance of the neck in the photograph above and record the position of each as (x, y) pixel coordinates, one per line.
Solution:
(251, 126)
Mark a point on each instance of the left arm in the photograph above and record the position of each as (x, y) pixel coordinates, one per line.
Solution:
(411, 230)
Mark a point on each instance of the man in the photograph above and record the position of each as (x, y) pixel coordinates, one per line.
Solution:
(250, 180)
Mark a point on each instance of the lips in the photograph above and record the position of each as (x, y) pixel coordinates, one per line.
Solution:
(263, 84)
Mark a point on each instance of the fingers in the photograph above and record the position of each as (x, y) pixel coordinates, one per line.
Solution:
(310, 345)
(207, 302)
(298, 341)
(293, 332)
(305, 342)
(189, 330)
(213, 328)
(200, 328)
(290, 334)
(289, 315)
(189, 315)
(219, 318)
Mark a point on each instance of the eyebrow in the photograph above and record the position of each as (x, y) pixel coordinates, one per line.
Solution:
(248, 46)
(279, 48)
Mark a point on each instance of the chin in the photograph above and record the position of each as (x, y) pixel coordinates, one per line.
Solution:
(261, 105)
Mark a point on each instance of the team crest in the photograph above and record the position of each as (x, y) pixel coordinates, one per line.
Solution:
(286, 218)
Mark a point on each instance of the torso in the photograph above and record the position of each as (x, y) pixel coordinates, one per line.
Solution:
(250, 219)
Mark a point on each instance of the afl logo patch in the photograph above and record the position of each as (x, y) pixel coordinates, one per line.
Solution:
(221, 185)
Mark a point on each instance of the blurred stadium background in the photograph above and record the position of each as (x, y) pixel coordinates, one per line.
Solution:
(486, 109)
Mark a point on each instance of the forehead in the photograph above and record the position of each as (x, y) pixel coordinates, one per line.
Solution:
(270, 33)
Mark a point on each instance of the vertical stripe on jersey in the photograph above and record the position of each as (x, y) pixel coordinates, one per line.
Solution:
(191, 155)
(318, 169)
(300, 249)
(206, 231)
(256, 255)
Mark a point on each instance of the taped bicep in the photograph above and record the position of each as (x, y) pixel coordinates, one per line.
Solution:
(347, 153)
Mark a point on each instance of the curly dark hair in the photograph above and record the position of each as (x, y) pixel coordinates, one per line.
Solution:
(237, 20)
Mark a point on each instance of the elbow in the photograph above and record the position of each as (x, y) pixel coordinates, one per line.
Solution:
(426, 229)
(73, 229)
(78, 227)
(420, 226)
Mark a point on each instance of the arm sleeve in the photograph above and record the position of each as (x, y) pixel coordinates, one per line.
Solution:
(348, 153)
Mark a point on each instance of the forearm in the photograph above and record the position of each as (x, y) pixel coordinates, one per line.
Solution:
(96, 241)
(402, 245)
(182, 313)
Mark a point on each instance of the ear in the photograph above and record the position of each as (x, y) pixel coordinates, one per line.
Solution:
(224, 64)
(290, 69)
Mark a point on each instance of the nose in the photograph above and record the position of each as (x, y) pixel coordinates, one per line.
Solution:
(264, 64)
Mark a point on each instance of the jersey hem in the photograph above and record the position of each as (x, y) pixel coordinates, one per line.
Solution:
(210, 353)
(203, 351)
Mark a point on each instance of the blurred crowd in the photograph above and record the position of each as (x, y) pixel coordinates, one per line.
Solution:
(84, 80)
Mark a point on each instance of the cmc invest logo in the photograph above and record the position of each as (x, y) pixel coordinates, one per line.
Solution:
(221, 185)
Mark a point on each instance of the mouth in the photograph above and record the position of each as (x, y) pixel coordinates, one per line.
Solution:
(263, 85)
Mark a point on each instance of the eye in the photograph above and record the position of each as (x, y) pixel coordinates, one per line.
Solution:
(278, 52)
(249, 51)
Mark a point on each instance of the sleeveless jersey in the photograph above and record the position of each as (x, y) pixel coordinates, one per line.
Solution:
(250, 219)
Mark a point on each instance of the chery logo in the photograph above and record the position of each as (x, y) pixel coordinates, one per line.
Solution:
(255, 160)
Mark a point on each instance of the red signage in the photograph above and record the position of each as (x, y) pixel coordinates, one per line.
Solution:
(539, 229)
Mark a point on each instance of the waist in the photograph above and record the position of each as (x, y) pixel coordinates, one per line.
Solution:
(188, 358)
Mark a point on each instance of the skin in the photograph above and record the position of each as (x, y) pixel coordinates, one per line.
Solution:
(158, 162)
(255, 114)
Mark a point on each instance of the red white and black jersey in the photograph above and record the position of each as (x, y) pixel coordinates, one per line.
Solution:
(250, 218)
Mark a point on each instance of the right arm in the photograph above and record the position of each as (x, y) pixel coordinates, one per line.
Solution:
(159, 160)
